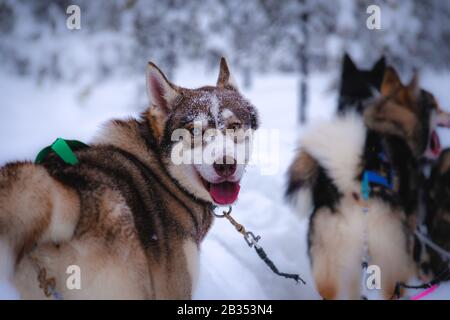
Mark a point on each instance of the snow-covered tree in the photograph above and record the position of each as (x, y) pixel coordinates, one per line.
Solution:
(117, 37)
(299, 30)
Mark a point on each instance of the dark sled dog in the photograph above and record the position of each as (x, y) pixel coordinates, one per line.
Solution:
(358, 86)
(325, 182)
(437, 218)
(129, 217)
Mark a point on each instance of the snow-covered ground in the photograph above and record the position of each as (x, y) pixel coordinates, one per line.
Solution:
(32, 116)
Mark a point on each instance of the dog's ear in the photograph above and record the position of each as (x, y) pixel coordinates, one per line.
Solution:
(414, 86)
(225, 80)
(391, 82)
(389, 117)
(348, 64)
(161, 93)
(395, 112)
(407, 96)
(380, 65)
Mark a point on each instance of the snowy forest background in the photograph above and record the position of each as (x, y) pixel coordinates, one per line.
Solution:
(56, 82)
(257, 36)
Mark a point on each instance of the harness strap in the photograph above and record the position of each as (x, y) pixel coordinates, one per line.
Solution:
(433, 284)
(442, 252)
(425, 293)
(369, 177)
(365, 186)
(430, 286)
(64, 149)
(365, 192)
(375, 178)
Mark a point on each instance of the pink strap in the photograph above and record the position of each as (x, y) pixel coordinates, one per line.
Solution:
(425, 293)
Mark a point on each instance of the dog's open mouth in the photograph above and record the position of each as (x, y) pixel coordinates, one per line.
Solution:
(435, 145)
(224, 192)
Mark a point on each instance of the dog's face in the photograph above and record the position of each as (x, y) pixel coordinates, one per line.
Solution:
(359, 85)
(408, 112)
(205, 134)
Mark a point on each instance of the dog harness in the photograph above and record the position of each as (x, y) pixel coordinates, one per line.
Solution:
(421, 234)
(64, 149)
(377, 174)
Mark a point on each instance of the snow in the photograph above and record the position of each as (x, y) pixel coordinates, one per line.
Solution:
(33, 115)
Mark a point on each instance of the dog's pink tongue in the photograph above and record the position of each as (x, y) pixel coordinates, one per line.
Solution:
(225, 192)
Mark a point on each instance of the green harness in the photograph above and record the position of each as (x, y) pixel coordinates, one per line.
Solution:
(64, 149)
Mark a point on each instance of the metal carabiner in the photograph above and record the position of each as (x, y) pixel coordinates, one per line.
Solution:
(224, 213)
(251, 239)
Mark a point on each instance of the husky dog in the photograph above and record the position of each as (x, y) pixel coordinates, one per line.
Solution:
(325, 181)
(358, 86)
(129, 217)
(438, 211)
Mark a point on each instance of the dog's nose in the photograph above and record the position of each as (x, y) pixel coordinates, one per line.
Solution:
(225, 169)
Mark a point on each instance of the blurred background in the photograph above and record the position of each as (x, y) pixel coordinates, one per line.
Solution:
(285, 55)
(258, 36)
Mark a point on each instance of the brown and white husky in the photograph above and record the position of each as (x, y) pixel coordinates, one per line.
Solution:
(128, 216)
(325, 178)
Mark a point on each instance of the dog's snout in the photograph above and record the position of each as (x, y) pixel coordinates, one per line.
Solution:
(226, 168)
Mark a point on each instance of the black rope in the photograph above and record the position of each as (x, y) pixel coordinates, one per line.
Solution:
(252, 241)
(262, 254)
(443, 276)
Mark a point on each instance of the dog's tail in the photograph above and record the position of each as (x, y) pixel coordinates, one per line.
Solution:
(301, 177)
(330, 154)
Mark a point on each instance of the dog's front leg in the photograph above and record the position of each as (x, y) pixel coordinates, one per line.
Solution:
(335, 252)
